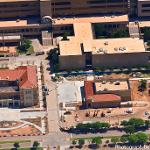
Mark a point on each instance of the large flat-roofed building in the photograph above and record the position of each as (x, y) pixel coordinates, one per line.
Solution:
(18, 87)
(25, 17)
(88, 7)
(82, 50)
(107, 93)
(143, 8)
(60, 26)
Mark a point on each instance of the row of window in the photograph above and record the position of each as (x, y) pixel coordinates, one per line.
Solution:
(145, 5)
(91, 2)
(61, 3)
(105, 1)
(146, 11)
(22, 5)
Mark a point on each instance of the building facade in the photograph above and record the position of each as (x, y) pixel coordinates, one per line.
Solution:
(97, 100)
(143, 7)
(18, 87)
(25, 18)
(88, 7)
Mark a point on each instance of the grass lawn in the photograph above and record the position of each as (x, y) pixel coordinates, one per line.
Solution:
(90, 138)
(19, 141)
(40, 148)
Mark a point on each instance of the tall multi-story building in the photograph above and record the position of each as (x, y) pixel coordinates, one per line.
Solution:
(18, 87)
(143, 7)
(24, 17)
(88, 7)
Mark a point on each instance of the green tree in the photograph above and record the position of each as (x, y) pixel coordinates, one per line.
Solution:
(99, 30)
(81, 142)
(25, 45)
(36, 144)
(74, 142)
(134, 122)
(115, 140)
(147, 123)
(16, 145)
(129, 129)
(142, 85)
(119, 33)
(146, 32)
(124, 123)
(66, 34)
(124, 138)
(97, 140)
(142, 138)
(133, 139)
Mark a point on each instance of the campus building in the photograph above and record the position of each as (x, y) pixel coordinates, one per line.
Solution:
(18, 87)
(143, 7)
(88, 7)
(110, 22)
(83, 50)
(106, 93)
(27, 18)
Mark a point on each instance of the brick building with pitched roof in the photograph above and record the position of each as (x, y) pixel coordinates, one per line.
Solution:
(18, 87)
(97, 96)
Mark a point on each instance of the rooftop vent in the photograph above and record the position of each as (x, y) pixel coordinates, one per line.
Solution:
(115, 49)
(105, 89)
(103, 82)
(117, 83)
(18, 20)
(7, 78)
(105, 51)
(101, 50)
(106, 43)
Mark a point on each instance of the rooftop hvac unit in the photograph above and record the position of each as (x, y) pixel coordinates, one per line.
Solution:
(117, 83)
(101, 50)
(105, 89)
(116, 49)
(106, 43)
(7, 78)
(124, 48)
(103, 82)
(18, 20)
(120, 48)
(105, 51)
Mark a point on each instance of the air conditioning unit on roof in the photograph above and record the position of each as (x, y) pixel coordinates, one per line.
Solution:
(106, 43)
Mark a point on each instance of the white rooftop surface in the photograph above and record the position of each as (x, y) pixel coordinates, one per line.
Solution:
(69, 91)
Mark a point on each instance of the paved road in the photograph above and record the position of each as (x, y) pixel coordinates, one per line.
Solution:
(52, 102)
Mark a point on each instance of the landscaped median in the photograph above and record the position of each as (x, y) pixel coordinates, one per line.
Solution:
(136, 139)
(132, 128)
(20, 145)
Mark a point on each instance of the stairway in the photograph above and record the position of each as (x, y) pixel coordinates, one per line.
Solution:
(134, 30)
(46, 38)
